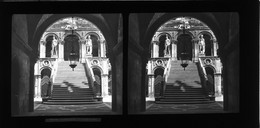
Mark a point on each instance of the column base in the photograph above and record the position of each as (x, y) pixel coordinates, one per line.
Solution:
(88, 56)
(201, 55)
(38, 99)
(150, 98)
(219, 98)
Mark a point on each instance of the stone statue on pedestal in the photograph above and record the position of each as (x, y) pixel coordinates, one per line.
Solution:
(202, 45)
(54, 46)
(89, 45)
(167, 46)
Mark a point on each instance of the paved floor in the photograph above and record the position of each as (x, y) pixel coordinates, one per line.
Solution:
(152, 108)
(89, 109)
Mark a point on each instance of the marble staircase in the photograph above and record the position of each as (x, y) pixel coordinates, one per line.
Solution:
(183, 86)
(71, 87)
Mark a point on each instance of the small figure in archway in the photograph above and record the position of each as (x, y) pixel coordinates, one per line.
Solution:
(202, 44)
(167, 46)
(89, 45)
(54, 46)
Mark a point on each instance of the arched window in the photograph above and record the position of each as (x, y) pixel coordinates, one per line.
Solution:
(48, 46)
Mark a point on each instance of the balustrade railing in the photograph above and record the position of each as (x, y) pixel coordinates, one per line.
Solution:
(203, 77)
(165, 76)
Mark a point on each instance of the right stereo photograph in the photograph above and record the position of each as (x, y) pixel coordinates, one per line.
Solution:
(183, 63)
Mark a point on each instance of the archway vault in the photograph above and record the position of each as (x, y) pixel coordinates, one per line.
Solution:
(97, 19)
(156, 22)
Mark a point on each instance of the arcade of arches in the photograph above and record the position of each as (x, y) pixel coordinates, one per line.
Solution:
(88, 42)
(201, 45)
(156, 43)
(41, 55)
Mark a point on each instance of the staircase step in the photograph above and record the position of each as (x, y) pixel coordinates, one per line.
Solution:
(72, 103)
(70, 100)
(184, 102)
(73, 98)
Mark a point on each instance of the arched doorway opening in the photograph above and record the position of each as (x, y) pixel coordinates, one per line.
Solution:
(210, 82)
(45, 82)
(46, 72)
(158, 75)
(71, 41)
(97, 82)
(184, 45)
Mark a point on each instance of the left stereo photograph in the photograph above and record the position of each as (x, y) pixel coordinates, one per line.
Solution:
(66, 64)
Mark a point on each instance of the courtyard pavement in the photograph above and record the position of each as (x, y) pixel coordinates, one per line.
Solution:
(152, 108)
(88, 109)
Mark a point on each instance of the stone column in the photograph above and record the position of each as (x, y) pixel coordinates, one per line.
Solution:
(104, 79)
(155, 49)
(61, 50)
(42, 49)
(196, 49)
(39, 86)
(151, 86)
(217, 83)
(174, 49)
(102, 48)
(83, 51)
(215, 43)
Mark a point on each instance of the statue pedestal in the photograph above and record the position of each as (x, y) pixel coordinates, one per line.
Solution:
(201, 55)
(167, 56)
(88, 55)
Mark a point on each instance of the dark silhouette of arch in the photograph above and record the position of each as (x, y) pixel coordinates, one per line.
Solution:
(158, 71)
(46, 72)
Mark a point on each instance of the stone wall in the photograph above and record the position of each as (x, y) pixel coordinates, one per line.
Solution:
(136, 68)
(20, 66)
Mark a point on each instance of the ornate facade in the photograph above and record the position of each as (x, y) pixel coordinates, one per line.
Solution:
(85, 39)
(187, 35)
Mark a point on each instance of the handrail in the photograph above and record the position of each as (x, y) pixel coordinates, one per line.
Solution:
(167, 71)
(53, 74)
(165, 76)
(203, 76)
(92, 74)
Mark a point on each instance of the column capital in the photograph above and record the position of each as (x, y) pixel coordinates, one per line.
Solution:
(61, 42)
(214, 40)
(104, 75)
(37, 75)
(150, 75)
(43, 42)
(195, 40)
(217, 74)
(174, 40)
(155, 42)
